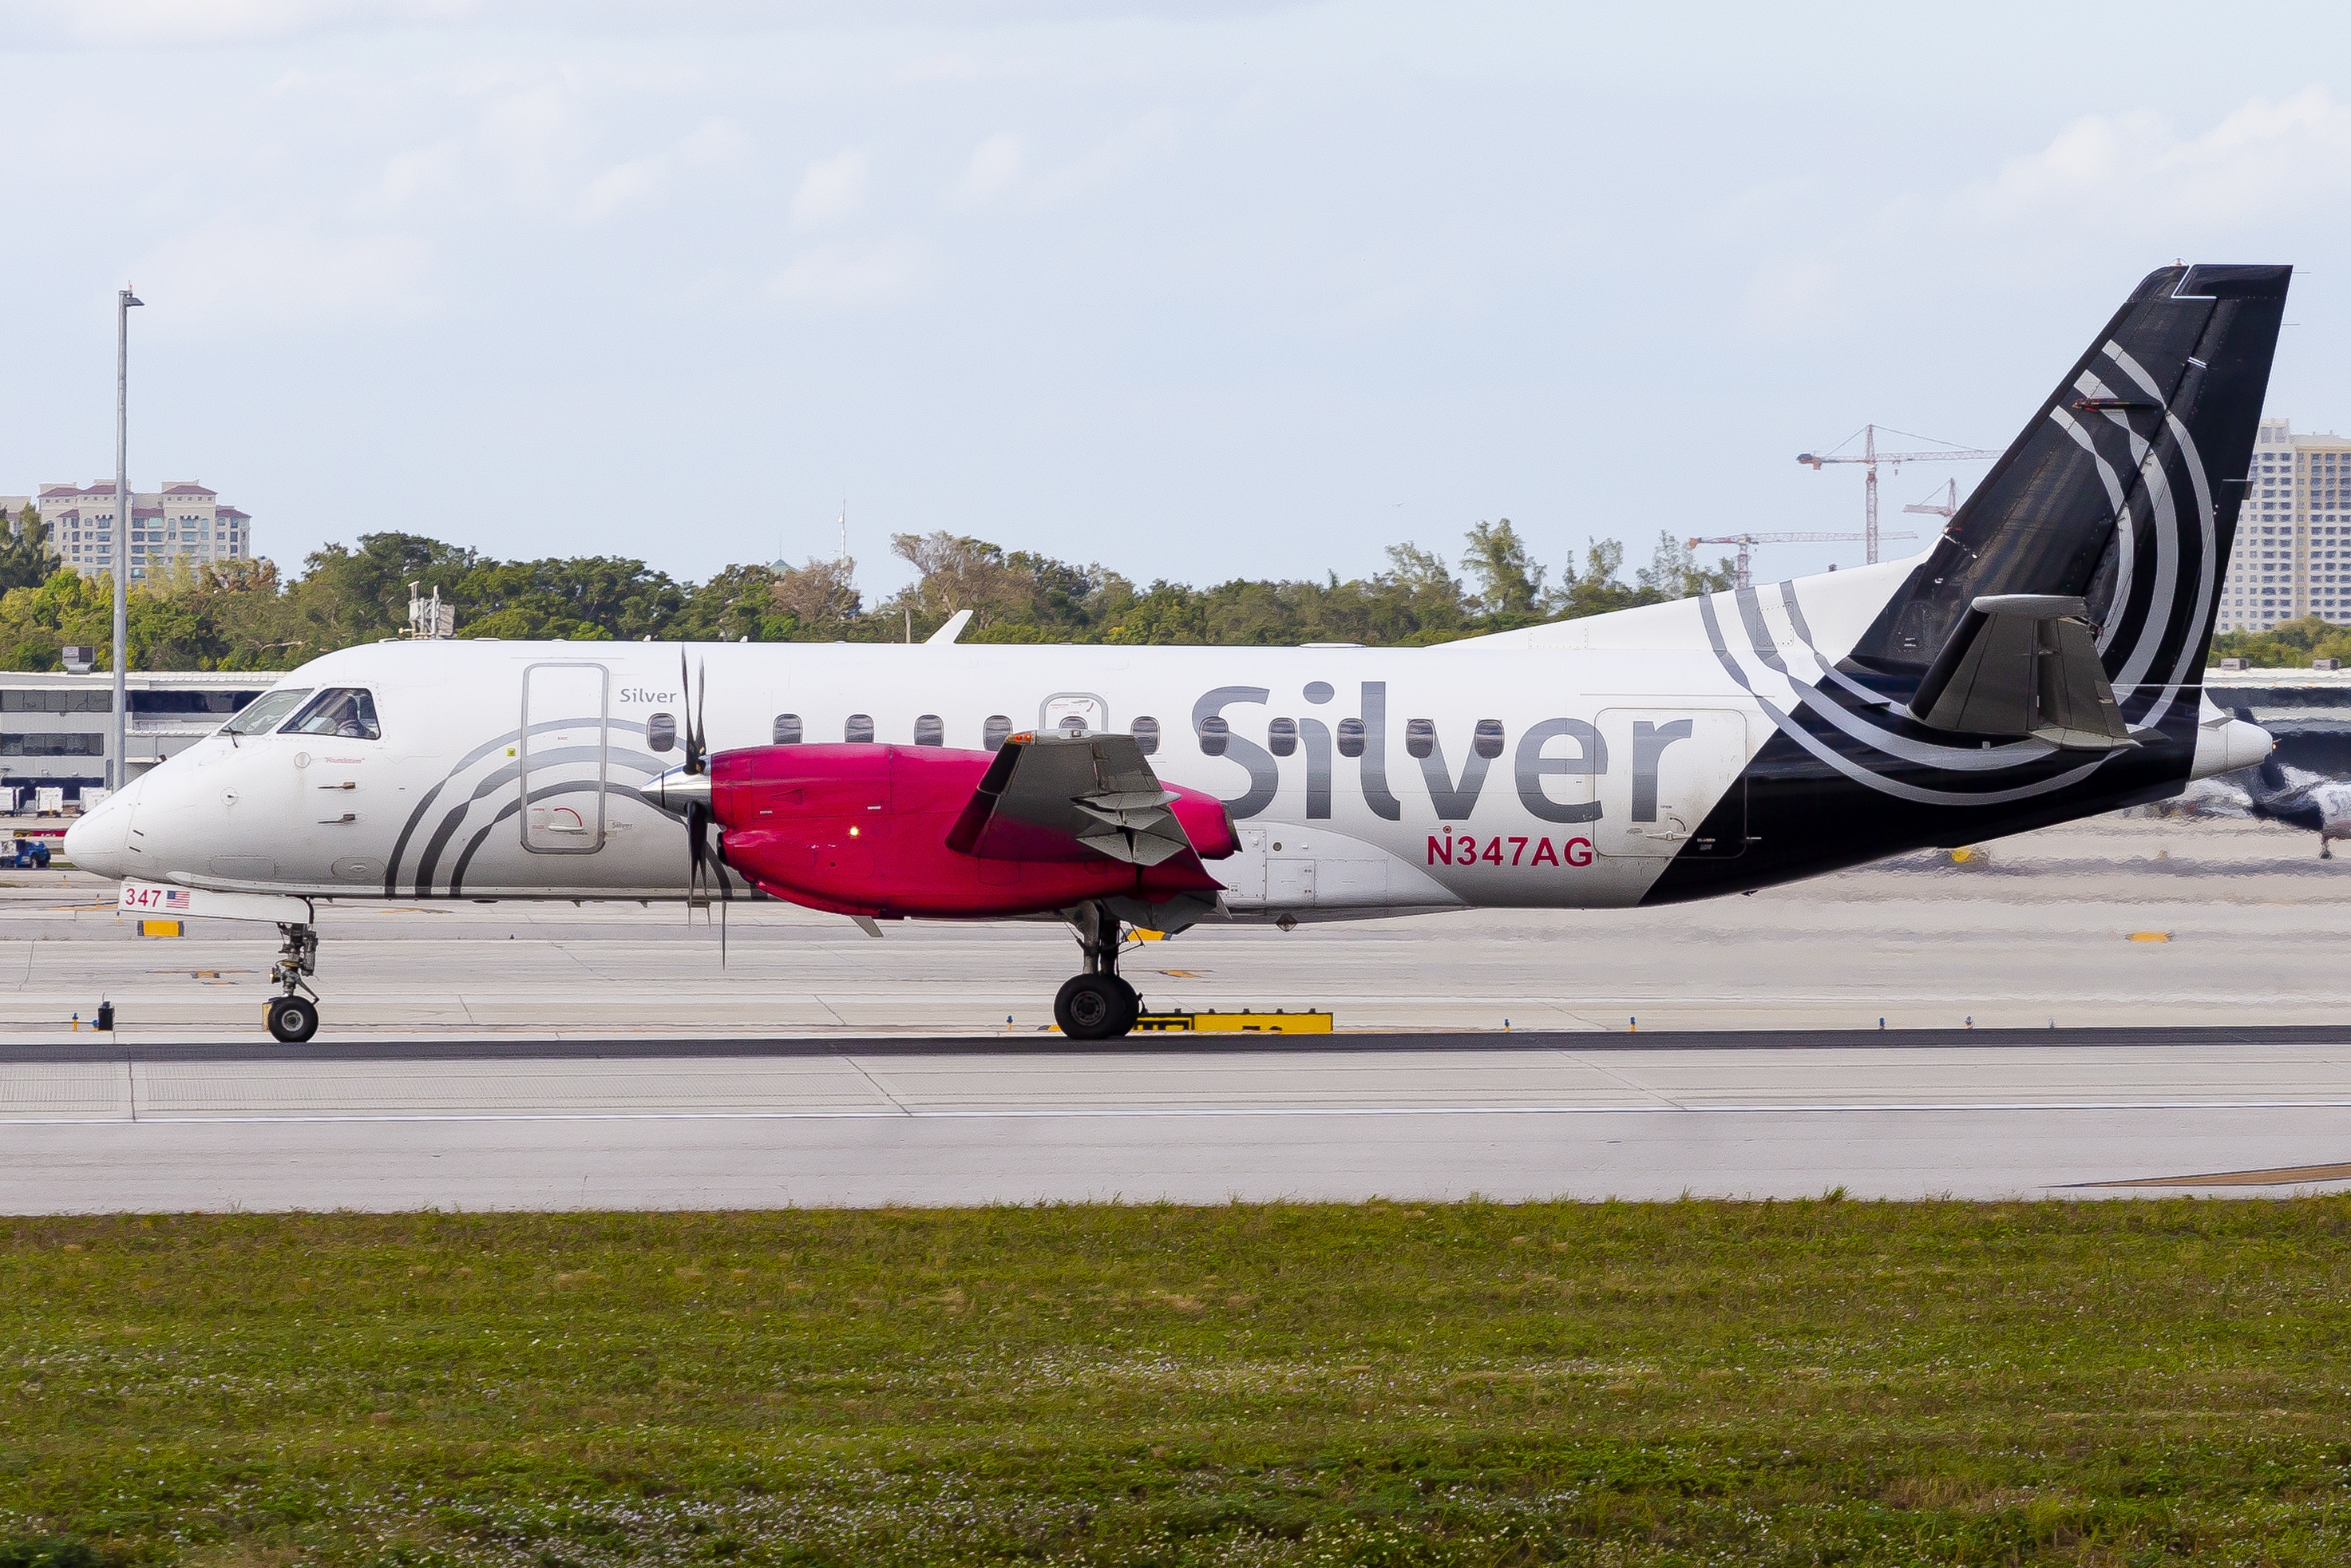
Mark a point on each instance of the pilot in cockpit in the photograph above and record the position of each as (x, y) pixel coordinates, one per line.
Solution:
(349, 714)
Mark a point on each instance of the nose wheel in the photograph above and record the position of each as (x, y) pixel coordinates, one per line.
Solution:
(294, 1017)
(1097, 1004)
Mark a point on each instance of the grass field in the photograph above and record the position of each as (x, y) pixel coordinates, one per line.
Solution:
(1804, 1383)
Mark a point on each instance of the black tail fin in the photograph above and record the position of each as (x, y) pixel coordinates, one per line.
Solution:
(2123, 490)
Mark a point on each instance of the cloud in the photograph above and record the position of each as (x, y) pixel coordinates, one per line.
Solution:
(140, 23)
(537, 131)
(1112, 161)
(245, 273)
(853, 275)
(2121, 183)
(941, 67)
(623, 185)
(409, 176)
(829, 190)
(995, 164)
(2131, 169)
(146, 24)
(641, 180)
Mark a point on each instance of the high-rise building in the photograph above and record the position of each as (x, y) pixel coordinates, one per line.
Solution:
(2292, 554)
(182, 519)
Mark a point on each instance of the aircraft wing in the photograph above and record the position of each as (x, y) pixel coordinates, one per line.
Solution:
(1060, 798)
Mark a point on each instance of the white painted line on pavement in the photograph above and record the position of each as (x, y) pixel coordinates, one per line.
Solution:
(1146, 1113)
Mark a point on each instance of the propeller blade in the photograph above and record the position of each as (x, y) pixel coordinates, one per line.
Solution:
(700, 694)
(705, 866)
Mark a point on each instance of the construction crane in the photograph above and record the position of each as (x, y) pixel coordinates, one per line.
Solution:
(1871, 458)
(1742, 578)
(1948, 507)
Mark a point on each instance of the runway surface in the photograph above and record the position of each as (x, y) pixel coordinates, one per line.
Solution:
(513, 1055)
(2117, 921)
(731, 1124)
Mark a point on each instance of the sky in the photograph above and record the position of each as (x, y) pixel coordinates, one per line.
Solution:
(1198, 291)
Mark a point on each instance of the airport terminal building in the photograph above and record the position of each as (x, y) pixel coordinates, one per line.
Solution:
(55, 729)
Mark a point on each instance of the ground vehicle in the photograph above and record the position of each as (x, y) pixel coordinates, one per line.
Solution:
(24, 855)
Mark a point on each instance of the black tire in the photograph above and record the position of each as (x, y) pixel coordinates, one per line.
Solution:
(293, 1019)
(1094, 1006)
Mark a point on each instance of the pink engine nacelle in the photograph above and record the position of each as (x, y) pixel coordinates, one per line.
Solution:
(862, 829)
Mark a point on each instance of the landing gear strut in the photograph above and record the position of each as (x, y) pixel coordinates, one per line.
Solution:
(1097, 1004)
(293, 1018)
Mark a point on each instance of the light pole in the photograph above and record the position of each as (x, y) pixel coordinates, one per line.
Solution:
(117, 770)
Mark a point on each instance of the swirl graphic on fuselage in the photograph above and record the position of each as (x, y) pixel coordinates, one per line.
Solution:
(485, 797)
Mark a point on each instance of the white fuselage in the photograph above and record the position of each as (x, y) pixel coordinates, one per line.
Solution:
(1561, 766)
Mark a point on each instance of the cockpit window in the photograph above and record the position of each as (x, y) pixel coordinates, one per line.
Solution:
(263, 714)
(343, 711)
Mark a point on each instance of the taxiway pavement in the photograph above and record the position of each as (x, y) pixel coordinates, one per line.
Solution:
(731, 1124)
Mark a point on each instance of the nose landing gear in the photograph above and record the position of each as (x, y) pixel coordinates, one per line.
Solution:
(294, 1019)
(1097, 1004)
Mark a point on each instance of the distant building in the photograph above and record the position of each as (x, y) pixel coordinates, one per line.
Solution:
(2292, 554)
(182, 520)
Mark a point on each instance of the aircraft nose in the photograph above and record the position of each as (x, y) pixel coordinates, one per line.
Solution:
(99, 841)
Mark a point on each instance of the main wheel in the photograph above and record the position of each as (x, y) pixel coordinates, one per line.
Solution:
(1094, 1006)
(293, 1019)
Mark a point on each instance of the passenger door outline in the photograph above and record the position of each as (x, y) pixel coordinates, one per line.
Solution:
(543, 832)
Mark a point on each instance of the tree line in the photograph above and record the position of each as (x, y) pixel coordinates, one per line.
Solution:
(2290, 645)
(243, 615)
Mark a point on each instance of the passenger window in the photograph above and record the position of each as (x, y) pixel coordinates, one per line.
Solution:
(1420, 736)
(994, 733)
(264, 713)
(1216, 734)
(1488, 742)
(347, 713)
(787, 729)
(1282, 736)
(930, 730)
(660, 731)
(1146, 730)
(859, 730)
(1351, 737)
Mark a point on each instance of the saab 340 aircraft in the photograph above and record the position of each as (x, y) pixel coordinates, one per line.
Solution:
(2044, 661)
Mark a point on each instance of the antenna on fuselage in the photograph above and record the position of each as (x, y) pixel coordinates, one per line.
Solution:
(429, 619)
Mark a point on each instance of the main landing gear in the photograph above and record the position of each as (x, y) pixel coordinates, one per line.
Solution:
(294, 1019)
(1097, 1004)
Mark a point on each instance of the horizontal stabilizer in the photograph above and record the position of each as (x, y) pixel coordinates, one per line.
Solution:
(2024, 664)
